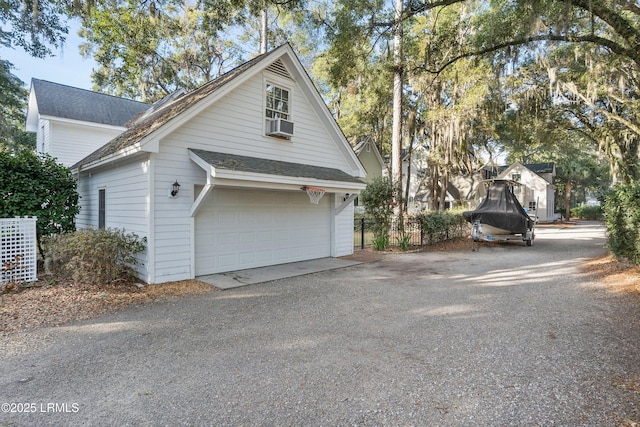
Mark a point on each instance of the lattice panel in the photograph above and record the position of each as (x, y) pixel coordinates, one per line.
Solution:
(18, 259)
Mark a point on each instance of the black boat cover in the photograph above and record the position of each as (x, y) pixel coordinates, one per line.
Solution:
(501, 209)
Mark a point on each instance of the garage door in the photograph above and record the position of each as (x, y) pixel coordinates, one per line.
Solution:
(237, 229)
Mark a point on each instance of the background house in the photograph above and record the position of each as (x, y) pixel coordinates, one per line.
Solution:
(537, 192)
(370, 157)
(242, 148)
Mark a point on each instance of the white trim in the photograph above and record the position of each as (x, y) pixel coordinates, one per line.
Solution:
(82, 122)
(195, 207)
(192, 232)
(151, 235)
(230, 178)
(125, 152)
(344, 204)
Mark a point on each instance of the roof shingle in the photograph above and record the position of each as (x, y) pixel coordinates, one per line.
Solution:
(68, 102)
(272, 167)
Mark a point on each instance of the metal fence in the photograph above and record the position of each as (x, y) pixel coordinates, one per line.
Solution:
(18, 259)
(414, 233)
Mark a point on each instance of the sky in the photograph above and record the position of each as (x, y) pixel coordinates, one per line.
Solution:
(66, 67)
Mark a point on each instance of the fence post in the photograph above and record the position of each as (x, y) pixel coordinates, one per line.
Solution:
(362, 233)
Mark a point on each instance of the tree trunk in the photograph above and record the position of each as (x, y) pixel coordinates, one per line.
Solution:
(396, 140)
(567, 200)
(263, 31)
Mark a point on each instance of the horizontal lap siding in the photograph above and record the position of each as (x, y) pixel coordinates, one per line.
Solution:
(127, 201)
(172, 220)
(344, 229)
(235, 125)
(71, 143)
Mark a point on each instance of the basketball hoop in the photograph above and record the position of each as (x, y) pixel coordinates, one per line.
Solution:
(314, 193)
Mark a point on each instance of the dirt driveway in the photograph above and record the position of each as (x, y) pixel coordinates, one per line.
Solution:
(508, 335)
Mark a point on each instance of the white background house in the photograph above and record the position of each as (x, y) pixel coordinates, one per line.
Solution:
(536, 194)
(241, 202)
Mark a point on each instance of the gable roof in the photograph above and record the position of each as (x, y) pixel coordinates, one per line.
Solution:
(360, 146)
(539, 168)
(58, 100)
(177, 111)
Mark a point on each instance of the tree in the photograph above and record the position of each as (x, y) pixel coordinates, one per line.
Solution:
(12, 98)
(35, 185)
(34, 25)
(148, 52)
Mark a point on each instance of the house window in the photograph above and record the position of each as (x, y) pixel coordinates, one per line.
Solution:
(516, 177)
(532, 206)
(102, 207)
(278, 102)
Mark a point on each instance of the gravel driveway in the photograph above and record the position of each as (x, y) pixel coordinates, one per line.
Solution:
(508, 335)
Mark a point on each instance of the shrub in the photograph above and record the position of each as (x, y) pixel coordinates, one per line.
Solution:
(36, 185)
(378, 199)
(438, 226)
(621, 210)
(587, 212)
(94, 256)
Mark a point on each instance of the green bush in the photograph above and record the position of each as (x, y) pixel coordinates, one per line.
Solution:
(94, 256)
(438, 225)
(378, 200)
(621, 210)
(587, 212)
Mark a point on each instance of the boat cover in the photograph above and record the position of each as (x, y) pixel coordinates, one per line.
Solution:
(501, 209)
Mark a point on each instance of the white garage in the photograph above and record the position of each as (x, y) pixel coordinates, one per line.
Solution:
(216, 179)
(239, 228)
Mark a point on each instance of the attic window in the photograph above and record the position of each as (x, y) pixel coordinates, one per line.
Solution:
(278, 111)
(516, 177)
(277, 102)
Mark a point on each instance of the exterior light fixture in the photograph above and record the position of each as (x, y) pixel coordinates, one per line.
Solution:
(175, 189)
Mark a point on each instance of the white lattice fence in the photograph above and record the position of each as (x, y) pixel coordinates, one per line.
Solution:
(18, 259)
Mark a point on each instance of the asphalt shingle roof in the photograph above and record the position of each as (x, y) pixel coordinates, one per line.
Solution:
(163, 115)
(540, 167)
(68, 102)
(272, 167)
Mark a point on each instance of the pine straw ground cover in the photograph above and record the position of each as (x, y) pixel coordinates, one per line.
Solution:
(30, 308)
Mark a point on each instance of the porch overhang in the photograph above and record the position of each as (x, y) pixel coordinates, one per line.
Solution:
(231, 170)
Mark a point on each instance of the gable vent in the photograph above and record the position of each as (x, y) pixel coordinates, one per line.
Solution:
(277, 67)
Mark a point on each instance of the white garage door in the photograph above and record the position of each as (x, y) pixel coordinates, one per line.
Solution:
(237, 229)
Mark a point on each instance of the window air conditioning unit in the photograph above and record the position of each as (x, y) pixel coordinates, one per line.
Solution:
(280, 127)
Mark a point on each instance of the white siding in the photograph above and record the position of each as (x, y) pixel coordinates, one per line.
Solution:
(127, 201)
(343, 229)
(70, 143)
(42, 137)
(235, 125)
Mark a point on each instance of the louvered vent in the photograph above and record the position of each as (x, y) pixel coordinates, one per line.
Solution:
(278, 68)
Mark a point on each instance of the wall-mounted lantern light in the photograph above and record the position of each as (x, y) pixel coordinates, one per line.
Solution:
(175, 189)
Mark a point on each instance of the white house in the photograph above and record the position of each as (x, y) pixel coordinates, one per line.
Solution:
(70, 122)
(243, 148)
(536, 194)
(370, 157)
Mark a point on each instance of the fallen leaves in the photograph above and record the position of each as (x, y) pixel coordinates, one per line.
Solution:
(54, 305)
(616, 275)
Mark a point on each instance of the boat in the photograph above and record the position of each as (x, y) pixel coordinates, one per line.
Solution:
(500, 216)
